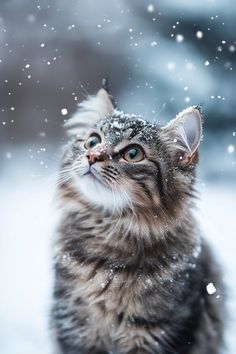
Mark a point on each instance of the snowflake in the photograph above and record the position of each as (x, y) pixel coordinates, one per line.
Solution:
(231, 149)
(150, 8)
(199, 34)
(211, 289)
(179, 38)
(64, 111)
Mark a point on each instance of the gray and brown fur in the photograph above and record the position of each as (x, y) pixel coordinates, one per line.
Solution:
(133, 280)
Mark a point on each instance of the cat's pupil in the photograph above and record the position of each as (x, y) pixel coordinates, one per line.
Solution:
(92, 141)
(133, 153)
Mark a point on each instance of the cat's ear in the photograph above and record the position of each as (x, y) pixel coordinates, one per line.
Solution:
(184, 134)
(89, 113)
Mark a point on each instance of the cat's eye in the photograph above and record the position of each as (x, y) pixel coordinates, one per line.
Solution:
(92, 141)
(134, 154)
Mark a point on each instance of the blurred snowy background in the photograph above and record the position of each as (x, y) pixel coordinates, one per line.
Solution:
(160, 57)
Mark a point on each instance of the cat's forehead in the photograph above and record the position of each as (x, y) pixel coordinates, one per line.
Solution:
(121, 126)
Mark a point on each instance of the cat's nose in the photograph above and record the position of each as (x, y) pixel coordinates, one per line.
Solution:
(92, 158)
(96, 155)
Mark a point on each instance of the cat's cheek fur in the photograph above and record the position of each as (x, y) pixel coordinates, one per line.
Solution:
(98, 194)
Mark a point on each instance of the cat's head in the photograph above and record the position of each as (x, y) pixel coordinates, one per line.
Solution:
(121, 162)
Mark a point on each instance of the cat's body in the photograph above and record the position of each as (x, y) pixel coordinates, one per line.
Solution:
(131, 268)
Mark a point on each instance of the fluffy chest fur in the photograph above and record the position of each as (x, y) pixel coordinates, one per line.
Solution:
(120, 297)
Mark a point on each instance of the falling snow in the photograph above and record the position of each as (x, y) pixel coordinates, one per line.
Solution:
(179, 38)
(153, 44)
(64, 111)
(150, 8)
(211, 289)
(232, 48)
(158, 56)
(231, 149)
(199, 34)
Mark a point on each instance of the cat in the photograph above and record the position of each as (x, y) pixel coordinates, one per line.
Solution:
(132, 272)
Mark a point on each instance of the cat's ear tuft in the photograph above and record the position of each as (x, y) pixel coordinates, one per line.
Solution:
(185, 132)
(89, 112)
(104, 99)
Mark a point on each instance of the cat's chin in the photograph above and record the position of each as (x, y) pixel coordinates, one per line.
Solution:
(96, 193)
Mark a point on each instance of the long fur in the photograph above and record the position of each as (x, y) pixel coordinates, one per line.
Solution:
(133, 279)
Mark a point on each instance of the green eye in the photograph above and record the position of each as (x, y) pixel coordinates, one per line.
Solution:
(92, 141)
(134, 154)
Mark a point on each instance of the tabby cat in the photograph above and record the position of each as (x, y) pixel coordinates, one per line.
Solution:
(131, 269)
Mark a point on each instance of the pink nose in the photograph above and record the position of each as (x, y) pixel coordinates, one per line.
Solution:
(96, 155)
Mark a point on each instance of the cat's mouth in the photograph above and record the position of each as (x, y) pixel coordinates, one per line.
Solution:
(95, 189)
(94, 176)
(90, 177)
